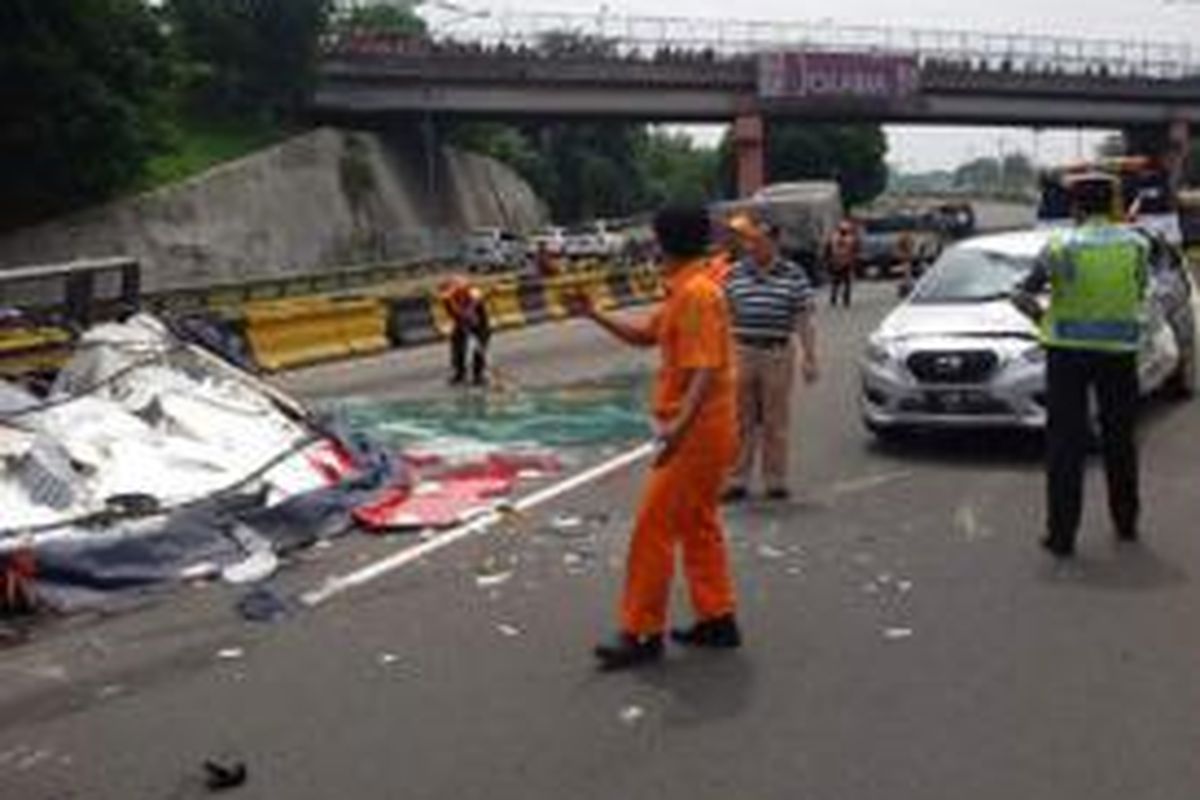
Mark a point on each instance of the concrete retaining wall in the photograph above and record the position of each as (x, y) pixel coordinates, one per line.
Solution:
(326, 198)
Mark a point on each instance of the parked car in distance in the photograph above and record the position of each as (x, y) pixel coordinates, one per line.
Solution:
(492, 250)
(553, 240)
(957, 354)
(595, 239)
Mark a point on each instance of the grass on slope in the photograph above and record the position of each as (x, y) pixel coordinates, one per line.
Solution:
(202, 143)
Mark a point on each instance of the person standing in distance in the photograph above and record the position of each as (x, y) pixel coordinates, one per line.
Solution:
(843, 262)
(1096, 273)
(695, 416)
(771, 301)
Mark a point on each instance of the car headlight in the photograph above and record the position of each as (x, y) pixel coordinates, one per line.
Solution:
(1034, 354)
(878, 353)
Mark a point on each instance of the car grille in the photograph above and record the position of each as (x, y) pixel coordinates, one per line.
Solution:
(952, 366)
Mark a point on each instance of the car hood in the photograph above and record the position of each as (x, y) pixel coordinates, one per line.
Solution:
(996, 318)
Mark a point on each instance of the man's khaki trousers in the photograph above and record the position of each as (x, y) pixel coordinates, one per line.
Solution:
(765, 377)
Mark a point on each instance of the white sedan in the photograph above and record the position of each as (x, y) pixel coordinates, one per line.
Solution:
(957, 354)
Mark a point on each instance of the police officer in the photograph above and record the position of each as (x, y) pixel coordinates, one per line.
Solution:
(1096, 273)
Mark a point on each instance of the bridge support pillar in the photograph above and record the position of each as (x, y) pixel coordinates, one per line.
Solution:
(1171, 143)
(748, 144)
(1179, 145)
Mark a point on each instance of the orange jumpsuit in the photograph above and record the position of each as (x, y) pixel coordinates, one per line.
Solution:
(681, 499)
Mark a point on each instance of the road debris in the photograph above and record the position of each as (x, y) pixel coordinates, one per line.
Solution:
(966, 520)
(494, 579)
(387, 659)
(770, 552)
(109, 691)
(897, 633)
(223, 774)
(632, 714)
(231, 653)
(508, 630)
(264, 604)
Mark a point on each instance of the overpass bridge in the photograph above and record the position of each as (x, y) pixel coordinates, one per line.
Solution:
(555, 66)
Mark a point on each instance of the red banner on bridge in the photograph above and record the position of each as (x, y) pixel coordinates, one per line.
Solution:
(836, 75)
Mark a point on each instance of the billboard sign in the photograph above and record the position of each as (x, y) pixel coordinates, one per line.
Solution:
(831, 75)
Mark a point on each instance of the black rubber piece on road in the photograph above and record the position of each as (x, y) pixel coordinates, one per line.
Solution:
(223, 775)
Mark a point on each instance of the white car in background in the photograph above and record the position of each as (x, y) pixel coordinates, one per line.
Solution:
(492, 250)
(553, 240)
(957, 354)
(594, 240)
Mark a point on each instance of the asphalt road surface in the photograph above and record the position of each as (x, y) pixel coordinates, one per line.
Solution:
(905, 639)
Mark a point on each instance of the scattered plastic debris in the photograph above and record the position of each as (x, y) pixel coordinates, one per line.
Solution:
(494, 571)
(223, 774)
(577, 560)
(894, 634)
(770, 552)
(508, 630)
(387, 659)
(632, 714)
(967, 521)
(33, 759)
(231, 653)
(264, 604)
(566, 523)
(493, 579)
(870, 587)
(110, 691)
(904, 586)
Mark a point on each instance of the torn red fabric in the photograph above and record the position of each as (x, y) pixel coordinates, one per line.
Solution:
(434, 505)
(331, 460)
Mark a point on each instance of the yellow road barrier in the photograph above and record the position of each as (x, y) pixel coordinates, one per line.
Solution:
(503, 302)
(25, 350)
(298, 331)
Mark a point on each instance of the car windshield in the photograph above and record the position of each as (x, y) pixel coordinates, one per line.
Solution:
(965, 275)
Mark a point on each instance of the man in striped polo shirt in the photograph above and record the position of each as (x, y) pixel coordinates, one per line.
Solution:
(771, 300)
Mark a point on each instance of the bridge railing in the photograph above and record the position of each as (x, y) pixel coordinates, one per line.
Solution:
(638, 36)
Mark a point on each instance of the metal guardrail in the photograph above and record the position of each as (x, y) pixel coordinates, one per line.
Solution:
(630, 36)
(73, 288)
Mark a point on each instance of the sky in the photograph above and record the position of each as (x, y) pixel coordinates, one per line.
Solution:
(927, 147)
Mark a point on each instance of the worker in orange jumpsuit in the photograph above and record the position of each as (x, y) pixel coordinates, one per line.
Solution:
(695, 415)
(465, 305)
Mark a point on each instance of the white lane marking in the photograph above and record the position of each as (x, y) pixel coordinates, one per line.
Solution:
(336, 585)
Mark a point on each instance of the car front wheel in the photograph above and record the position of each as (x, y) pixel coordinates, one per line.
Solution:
(1182, 383)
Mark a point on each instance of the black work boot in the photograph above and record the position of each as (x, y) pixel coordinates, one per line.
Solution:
(1058, 547)
(734, 494)
(718, 633)
(626, 651)
(1127, 534)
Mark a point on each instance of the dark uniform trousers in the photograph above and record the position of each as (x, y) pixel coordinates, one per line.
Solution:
(463, 332)
(1070, 375)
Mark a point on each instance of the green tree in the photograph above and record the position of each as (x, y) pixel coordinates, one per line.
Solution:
(674, 169)
(852, 155)
(581, 170)
(250, 56)
(396, 17)
(85, 84)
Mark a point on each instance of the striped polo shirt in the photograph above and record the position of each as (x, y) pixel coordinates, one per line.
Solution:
(766, 304)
